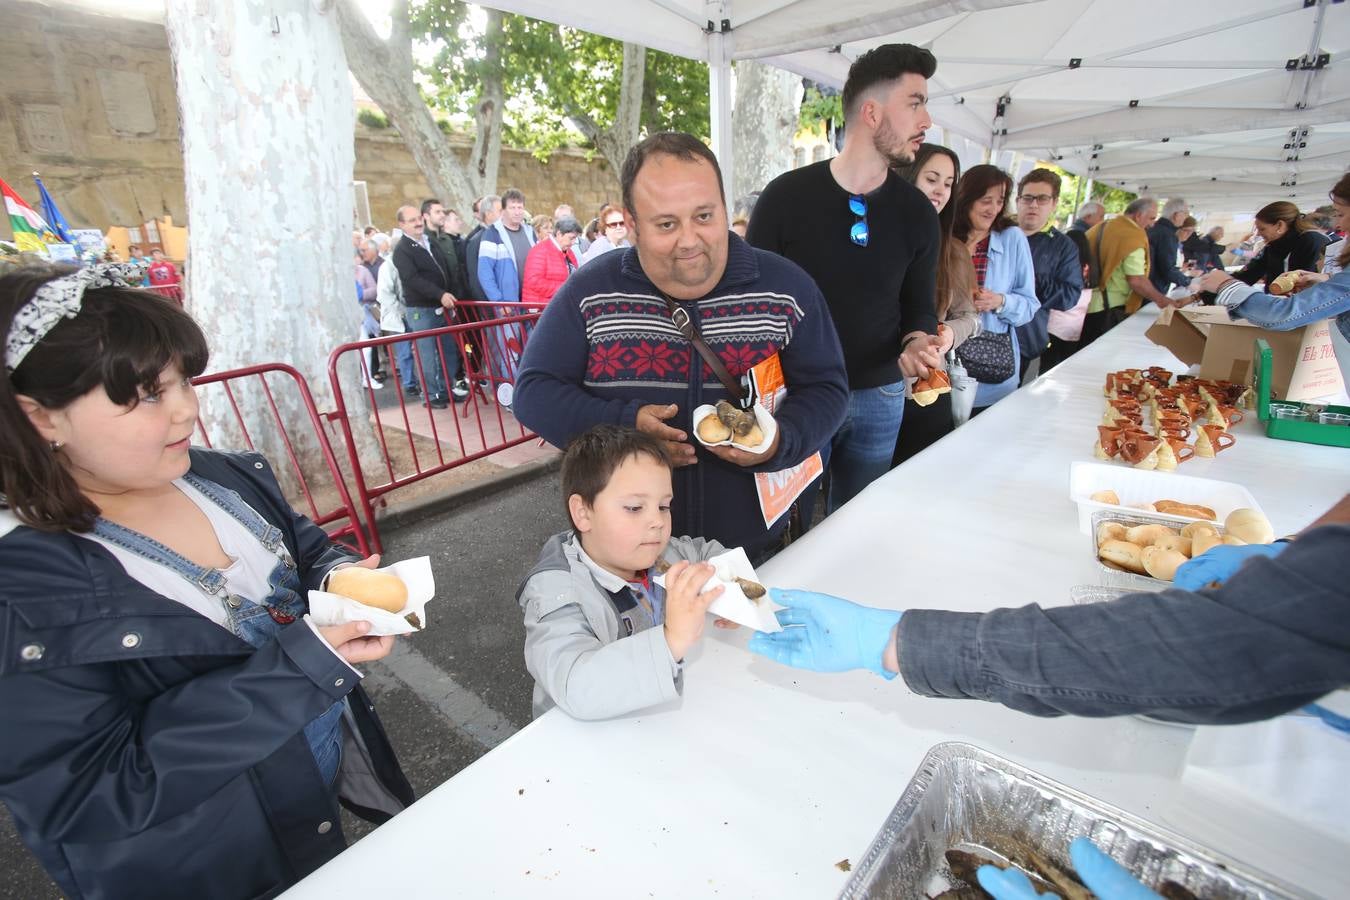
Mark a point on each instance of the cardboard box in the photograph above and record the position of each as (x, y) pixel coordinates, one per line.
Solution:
(1304, 359)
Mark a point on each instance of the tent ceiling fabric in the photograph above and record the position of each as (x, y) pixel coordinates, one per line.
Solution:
(1189, 98)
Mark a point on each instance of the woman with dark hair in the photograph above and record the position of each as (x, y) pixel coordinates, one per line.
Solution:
(1292, 242)
(174, 723)
(1005, 293)
(935, 171)
(1317, 295)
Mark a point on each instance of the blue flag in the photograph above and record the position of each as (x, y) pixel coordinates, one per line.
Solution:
(55, 220)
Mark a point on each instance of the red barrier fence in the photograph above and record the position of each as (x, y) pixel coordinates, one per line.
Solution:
(487, 343)
(247, 379)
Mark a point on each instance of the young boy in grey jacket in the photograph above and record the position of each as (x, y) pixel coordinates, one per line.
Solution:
(601, 637)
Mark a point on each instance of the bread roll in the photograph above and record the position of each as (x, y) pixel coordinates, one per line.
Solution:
(1178, 543)
(1147, 535)
(1203, 541)
(382, 590)
(1189, 510)
(712, 431)
(1107, 496)
(1161, 562)
(752, 438)
(1110, 531)
(1233, 540)
(1250, 526)
(1196, 528)
(1124, 554)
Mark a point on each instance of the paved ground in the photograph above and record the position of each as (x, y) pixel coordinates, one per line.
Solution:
(450, 694)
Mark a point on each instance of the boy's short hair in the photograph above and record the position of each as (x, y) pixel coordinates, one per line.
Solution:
(591, 458)
(1041, 176)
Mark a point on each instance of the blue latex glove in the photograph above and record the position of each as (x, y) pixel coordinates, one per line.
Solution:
(1102, 875)
(827, 634)
(1219, 563)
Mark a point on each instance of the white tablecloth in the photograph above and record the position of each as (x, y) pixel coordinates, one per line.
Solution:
(762, 778)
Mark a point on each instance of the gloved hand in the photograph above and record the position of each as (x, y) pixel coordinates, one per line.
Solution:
(1218, 563)
(827, 634)
(1101, 874)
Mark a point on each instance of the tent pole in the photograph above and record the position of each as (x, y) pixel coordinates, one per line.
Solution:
(719, 88)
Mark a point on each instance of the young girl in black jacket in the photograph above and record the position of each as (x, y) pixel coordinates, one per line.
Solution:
(174, 723)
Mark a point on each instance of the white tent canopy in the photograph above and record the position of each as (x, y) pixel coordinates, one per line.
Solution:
(1231, 103)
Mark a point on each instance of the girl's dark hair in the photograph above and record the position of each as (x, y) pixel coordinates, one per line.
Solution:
(1341, 192)
(591, 458)
(972, 186)
(1286, 212)
(956, 273)
(121, 341)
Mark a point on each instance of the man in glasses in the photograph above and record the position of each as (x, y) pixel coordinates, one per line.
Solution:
(870, 240)
(610, 349)
(1059, 274)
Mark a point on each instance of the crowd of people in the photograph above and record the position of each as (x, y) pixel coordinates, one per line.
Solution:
(163, 682)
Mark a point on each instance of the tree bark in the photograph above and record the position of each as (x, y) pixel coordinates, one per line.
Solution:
(621, 135)
(267, 123)
(385, 71)
(488, 111)
(764, 123)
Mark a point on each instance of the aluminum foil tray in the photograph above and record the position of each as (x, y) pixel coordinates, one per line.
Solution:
(1116, 578)
(963, 796)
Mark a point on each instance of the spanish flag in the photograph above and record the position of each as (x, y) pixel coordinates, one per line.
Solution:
(31, 233)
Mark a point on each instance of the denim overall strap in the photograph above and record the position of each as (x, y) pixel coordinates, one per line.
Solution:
(267, 534)
(212, 581)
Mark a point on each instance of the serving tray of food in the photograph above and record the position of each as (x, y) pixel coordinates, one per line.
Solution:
(966, 807)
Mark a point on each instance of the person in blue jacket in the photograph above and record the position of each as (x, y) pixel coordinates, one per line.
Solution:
(1006, 293)
(1245, 633)
(175, 725)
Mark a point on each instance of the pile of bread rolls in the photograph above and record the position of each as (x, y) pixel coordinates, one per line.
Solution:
(1159, 550)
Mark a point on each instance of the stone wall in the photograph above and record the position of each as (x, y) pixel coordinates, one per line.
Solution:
(89, 102)
(392, 178)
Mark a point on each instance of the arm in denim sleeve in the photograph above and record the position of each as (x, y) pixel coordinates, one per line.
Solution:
(1273, 638)
(1321, 301)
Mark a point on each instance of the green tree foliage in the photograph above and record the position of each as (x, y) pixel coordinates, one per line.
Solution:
(550, 74)
(1114, 199)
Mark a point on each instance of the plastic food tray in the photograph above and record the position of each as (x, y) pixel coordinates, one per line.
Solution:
(963, 796)
(1147, 486)
(1116, 578)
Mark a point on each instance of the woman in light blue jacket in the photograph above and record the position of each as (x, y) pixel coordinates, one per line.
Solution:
(1006, 292)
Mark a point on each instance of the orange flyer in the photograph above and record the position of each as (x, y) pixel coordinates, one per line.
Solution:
(778, 490)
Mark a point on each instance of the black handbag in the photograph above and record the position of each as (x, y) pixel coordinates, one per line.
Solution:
(988, 357)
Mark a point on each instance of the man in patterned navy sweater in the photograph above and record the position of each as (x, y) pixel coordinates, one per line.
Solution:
(607, 350)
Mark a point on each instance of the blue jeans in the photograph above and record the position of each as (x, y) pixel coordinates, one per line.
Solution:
(425, 318)
(403, 358)
(862, 448)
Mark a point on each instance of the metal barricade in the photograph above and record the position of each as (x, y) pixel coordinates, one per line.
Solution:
(487, 344)
(233, 382)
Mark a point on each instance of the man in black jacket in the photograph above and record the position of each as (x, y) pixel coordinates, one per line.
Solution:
(1163, 243)
(1059, 275)
(429, 295)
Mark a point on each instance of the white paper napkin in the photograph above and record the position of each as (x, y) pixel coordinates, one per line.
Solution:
(767, 425)
(733, 604)
(334, 609)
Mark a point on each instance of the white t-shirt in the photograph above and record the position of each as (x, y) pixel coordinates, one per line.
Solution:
(246, 576)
